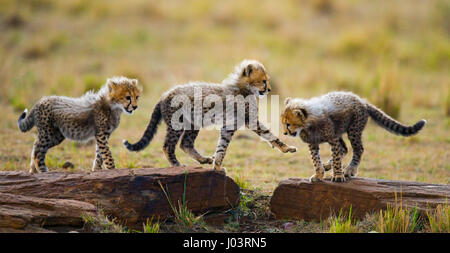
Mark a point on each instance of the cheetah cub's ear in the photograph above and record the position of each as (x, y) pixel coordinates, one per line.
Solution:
(135, 82)
(286, 101)
(247, 70)
(111, 84)
(301, 113)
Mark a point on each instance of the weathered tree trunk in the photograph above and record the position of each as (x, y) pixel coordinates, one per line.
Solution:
(131, 196)
(32, 214)
(300, 199)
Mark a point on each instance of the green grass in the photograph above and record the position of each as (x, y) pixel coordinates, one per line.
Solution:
(151, 227)
(185, 219)
(343, 224)
(240, 179)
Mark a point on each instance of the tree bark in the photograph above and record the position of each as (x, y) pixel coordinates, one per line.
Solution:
(303, 200)
(32, 214)
(131, 196)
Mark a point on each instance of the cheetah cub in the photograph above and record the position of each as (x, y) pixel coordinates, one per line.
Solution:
(80, 119)
(249, 80)
(326, 118)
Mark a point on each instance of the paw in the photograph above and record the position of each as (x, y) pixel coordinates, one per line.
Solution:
(33, 169)
(44, 169)
(316, 178)
(207, 160)
(177, 165)
(221, 170)
(350, 171)
(338, 178)
(96, 168)
(218, 168)
(289, 149)
(327, 166)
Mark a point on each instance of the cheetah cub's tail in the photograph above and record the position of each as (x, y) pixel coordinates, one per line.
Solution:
(26, 122)
(149, 132)
(390, 124)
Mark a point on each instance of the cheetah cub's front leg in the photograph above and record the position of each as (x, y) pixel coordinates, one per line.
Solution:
(98, 161)
(222, 145)
(338, 173)
(103, 153)
(315, 156)
(283, 147)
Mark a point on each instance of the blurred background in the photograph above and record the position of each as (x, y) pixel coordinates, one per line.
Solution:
(394, 53)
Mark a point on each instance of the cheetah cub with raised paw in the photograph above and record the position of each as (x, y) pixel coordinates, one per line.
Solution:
(94, 115)
(327, 118)
(249, 81)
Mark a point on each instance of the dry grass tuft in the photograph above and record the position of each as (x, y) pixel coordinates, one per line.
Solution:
(101, 223)
(398, 218)
(439, 219)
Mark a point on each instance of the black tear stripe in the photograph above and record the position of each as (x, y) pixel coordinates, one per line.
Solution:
(128, 105)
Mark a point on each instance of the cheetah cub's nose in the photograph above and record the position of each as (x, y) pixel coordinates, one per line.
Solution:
(134, 107)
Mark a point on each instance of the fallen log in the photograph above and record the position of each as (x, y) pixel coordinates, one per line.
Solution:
(300, 199)
(131, 196)
(31, 214)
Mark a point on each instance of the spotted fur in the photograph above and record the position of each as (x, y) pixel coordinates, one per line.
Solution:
(327, 118)
(248, 79)
(94, 115)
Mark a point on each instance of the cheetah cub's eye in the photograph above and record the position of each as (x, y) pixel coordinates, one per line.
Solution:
(137, 97)
(128, 97)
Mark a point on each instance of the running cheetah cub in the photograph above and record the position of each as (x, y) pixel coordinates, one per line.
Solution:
(249, 80)
(326, 118)
(80, 119)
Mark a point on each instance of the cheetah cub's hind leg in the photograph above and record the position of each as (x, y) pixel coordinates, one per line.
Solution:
(187, 145)
(355, 139)
(47, 138)
(170, 143)
(343, 152)
(338, 173)
(315, 156)
(33, 161)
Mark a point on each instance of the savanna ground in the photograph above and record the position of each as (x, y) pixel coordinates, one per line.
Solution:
(394, 53)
